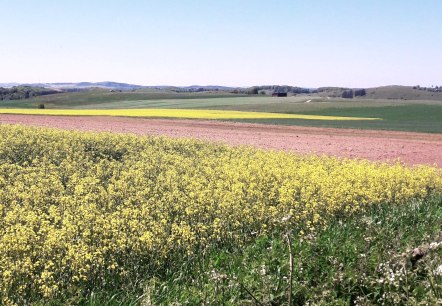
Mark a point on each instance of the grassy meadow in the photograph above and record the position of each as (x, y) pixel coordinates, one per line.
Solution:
(401, 115)
(102, 96)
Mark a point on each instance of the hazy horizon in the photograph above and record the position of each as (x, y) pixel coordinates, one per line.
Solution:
(228, 43)
(210, 85)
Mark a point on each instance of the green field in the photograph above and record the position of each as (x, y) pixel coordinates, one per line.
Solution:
(401, 115)
(95, 98)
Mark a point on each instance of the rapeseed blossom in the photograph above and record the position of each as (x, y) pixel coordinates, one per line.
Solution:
(176, 113)
(80, 209)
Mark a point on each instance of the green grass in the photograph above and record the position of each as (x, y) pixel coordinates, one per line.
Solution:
(363, 258)
(94, 98)
(400, 115)
(203, 102)
(413, 117)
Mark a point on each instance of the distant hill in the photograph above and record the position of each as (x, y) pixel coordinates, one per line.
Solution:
(210, 88)
(384, 92)
(405, 93)
(87, 85)
(334, 92)
(8, 85)
(119, 86)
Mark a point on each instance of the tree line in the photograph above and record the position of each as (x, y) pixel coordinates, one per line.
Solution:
(23, 92)
(431, 89)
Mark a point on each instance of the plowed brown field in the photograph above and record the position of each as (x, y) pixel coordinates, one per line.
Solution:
(411, 148)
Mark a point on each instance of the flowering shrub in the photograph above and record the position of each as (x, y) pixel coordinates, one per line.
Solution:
(80, 211)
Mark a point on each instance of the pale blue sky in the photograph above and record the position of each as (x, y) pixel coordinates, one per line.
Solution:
(237, 43)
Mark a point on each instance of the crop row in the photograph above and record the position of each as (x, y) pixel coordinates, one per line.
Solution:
(177, 113)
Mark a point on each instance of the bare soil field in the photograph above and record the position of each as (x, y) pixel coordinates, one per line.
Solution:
(410, 148)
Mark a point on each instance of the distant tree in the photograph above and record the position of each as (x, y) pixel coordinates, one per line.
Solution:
(253, 91)
(23, 92)
(360, 92)
(348, 94)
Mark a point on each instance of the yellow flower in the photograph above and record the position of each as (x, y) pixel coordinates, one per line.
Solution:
(77, 208)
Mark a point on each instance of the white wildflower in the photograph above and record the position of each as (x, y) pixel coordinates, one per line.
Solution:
(438, 271)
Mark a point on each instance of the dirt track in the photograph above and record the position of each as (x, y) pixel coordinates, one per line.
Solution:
(411, 148)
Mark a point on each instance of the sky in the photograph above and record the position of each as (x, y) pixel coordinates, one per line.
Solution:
(308, 43)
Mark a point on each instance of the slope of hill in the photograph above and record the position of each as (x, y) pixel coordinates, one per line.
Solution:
(404, 93)
(120, 86)
(393, 92)
(87, 85)
(94, 97)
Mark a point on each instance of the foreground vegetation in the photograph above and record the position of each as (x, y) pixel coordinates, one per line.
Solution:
(363, 259)
(103, 218)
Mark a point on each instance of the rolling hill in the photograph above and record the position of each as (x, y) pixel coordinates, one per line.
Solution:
(404, 93)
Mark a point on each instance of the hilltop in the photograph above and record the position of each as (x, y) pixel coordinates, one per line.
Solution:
(405, 93)
(79, 86)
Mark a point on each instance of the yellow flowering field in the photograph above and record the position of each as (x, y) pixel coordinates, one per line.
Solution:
(176, 113)
(86, 211)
